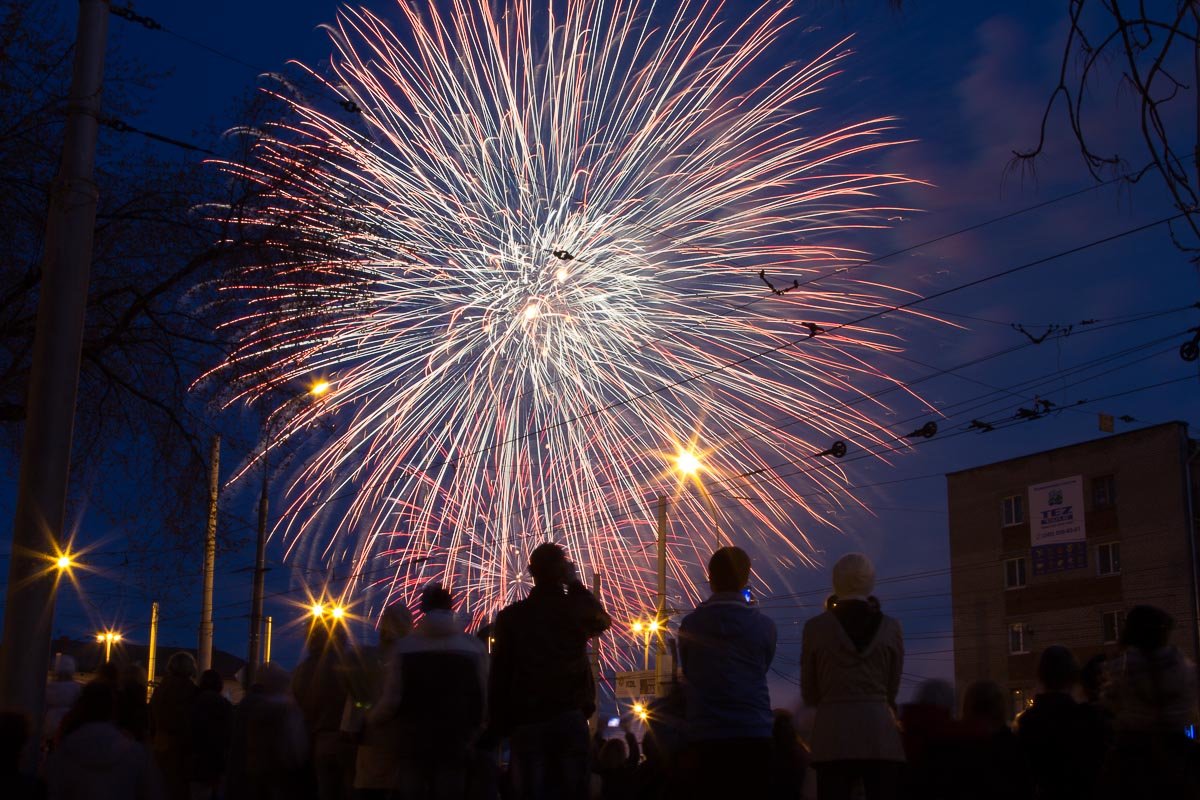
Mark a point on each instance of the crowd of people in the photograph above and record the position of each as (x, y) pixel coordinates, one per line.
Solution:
(429, 713)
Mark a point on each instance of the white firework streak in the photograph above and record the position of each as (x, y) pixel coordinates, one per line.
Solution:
(545, 213)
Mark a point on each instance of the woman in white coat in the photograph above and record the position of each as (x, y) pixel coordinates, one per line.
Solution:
(850, 666)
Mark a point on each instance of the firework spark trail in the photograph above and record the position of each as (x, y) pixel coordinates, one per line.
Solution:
(546, 211)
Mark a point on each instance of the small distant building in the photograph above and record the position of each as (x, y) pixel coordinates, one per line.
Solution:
(89, 657)
(1055, 547)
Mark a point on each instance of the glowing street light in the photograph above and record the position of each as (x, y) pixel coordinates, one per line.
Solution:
(337, 612)
(107, 638)
(317, 610)
(64, 562)
(640, 711)
(687, 462)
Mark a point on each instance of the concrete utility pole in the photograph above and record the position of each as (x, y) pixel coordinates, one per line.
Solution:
(152, 656)
(53, 382)
(260, 574)
(661, 607)
(210, 558)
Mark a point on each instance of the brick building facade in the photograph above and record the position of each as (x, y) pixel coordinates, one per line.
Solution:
(1017, 589)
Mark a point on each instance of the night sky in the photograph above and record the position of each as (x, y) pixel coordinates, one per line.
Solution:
(968, 83)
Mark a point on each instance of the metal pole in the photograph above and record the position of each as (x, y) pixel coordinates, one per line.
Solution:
(267, 643)
(661, 606)
(260, 571)
(53, 383)
(210, 558)
(152, 656)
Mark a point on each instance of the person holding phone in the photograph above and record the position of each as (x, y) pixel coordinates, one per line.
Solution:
(540, 689)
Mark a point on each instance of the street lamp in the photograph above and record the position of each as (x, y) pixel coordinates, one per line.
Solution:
(107, 638)
(317, 390)
(689, 465)
(64, 562)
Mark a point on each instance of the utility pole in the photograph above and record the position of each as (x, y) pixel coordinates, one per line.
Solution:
(152, 657)
(661, 607)
(210, 557)
(260, 571)
(53, 383)
(595, 720)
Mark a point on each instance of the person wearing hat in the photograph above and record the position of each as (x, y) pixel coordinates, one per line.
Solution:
(540, 688)
(850, 665)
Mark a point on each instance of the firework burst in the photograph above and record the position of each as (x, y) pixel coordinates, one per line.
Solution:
(538, 215)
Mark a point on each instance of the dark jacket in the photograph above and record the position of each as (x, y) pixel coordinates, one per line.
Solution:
(171, 732)
(212, 727)
(725, 649)
(540, 667)
(98, 762)
(435, 682)
(989, 765)
(1065, 744)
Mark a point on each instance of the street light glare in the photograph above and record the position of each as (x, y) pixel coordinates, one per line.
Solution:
(653, 625)
(318, 610)
(337, 612)
(64, 562)
(687, 462)
(637, 626)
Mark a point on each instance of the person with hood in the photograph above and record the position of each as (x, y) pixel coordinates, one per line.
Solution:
(212, 727)
(540, 688)
(1151, 689)
(725, 650)
(1064, 739)
(61, 693)
(95, 760)
(850, 665)
(171, 724)
(377, 756)
(434, 690)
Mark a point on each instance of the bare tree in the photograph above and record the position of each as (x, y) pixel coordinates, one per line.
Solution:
(1152, 46)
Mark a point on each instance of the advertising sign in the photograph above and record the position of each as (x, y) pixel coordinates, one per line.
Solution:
(634, 685)
(1058, 539)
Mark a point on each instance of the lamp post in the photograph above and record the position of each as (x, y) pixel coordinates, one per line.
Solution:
(317, 390)
(107, 638)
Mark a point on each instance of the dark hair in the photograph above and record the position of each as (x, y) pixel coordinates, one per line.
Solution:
(547, 563)
(97, 703)
(1091, 677)
(1147, 628)
(211, 681)
(613, 754)
(436, 597)
(1057, 668)
(984, 702)
(729, 569)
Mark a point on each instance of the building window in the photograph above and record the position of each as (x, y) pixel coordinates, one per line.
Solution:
(1108, 558)
(1013, 510)
(1113, 622)
(1018, 638)
(1014, 573)
(1104, 492)
(1019, 700)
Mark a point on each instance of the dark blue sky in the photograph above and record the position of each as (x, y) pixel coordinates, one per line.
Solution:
(968, 82)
